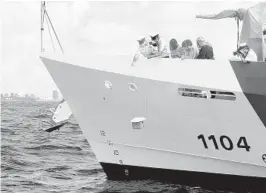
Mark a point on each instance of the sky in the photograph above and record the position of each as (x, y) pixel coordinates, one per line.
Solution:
(102, 27)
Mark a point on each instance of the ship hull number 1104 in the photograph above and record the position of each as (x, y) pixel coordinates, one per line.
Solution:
(223, 142)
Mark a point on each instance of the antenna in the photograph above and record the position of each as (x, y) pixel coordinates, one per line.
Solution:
(44, 15)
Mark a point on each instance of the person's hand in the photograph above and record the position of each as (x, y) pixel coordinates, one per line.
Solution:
(246, 62)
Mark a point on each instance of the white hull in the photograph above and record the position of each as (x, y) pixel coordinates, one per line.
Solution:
(169, 137)
(159, 158)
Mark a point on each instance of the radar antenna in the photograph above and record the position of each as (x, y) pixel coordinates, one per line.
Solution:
(45, 16)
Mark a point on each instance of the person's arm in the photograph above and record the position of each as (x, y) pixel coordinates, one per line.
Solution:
(136, 57)
(221, 15)
(240, 56)
(209, 53)
(191, 53)
(154, 55)
(196, 52)
(251, 56)
(162, 46)
(153, 43)
(157, 53)
(202, 53)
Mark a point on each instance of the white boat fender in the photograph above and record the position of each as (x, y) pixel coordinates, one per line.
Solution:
(60, 117)
(61, 113)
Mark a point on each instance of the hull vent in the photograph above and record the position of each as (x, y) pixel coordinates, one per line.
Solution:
(222, 95)
(138, 122)
(207, 94)
(190, 92)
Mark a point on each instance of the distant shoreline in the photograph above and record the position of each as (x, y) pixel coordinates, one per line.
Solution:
(29, 100)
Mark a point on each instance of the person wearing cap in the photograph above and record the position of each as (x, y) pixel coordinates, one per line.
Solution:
(145, 49)
(205, 49)
(245, 53)
(158, 42)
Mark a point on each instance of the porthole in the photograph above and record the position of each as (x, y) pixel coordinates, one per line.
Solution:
(132, 87)
(108, 84)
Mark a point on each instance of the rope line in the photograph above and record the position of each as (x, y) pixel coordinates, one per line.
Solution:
(54, 31)
(50, 32)
(42, 21)
(44, 14)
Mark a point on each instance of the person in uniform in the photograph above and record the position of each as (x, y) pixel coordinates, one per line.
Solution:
(145, 49)
(245, 53)
(159, 43)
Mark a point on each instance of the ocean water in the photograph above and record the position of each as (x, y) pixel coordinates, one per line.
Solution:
(33, 160)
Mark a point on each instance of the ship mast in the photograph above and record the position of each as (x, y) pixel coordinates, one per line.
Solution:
(45, 16)
(42, 14)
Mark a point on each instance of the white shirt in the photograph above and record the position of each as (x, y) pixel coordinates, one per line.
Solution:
(145, 50)
(162, 46)
(251, 56)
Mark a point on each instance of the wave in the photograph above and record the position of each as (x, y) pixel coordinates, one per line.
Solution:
(8, 168)
(8, 150)
(86, 189)
(31, 183)
(89, 171)
(42, 116)
(51, 147)
(62, 177)
(57, 168)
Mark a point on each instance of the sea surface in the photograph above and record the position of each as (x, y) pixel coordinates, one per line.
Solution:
(33, 160)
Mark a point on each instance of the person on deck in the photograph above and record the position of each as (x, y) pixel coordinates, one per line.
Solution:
(145, 49)
(190, 52)
(205, 49)
(158, 42)
(174, 49)
(245, 53)
(252, 20)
